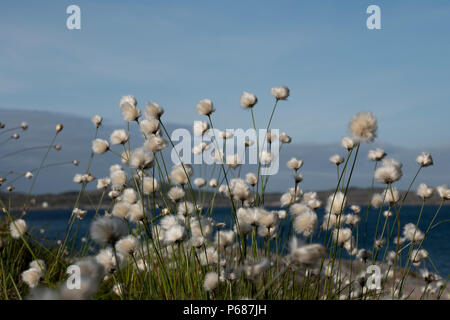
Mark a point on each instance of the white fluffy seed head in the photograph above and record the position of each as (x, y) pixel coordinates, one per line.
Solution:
(97, 120)
(233, 161)
(141, 159)
(127, 245)
(175, 194)
(127, 105)
(136, 213)
(306, 223)
(248, 100)
(213, 183)
(376, 155)
(199, 182)
(121, 209)
(118, 179)
(390, 171)
(129, 195)
(31, 277)
(100, 146)
(149, 126)
(364, 127)
(205, 107)
(307, 255)
(174, 234)
(444, 192)
(150, 185)
(103, 183)
(119, 136)
(424, 159)
(284, 138)
(108, 230)
(392, 196)
(424, 191)
(17, 228)
(155, 143)
(211, 281)
(348, 143)
(79, 213)
(342, 235)
(251, 178)
(336, 159)
(200, 128)
(336, 203)
(153, 110)
(280, 93)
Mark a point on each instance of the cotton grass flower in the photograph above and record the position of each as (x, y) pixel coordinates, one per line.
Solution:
(141, 159)
(225, 237)
(127, 245)
(248, 100)
(307, 255)
(199, 182)
(155, 143)
(342, 235)
(153, 110)
(336, 159)
(284, 138)
(127, 105)
(100, 146)
(205, 107)
(28, 175)
(233, 161)
(149, 126)
(137, 213)
(103, 183)
(175, 194)
(364, 127)
(118, 179)
(251, 179)
(129, 195)
(266, 157)
(31, 277)
(376, 155)
(444, 192)
(180, 174)
(121, 209)
(200, 128)
(306, 223)
(79, 213)
(119, 136)
(174, 234)
(280, 93)
(424, 159)
(107, 230)
(389, 172)
(17, 228)
(412, 233)
(150, 185)
(97, 120)
(59, 127)
(107, 259)
(336, 203)
(348, 143)
(392, 195)
(211, 281)
(424, 192)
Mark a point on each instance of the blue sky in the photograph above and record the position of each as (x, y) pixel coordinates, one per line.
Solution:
(178, 52)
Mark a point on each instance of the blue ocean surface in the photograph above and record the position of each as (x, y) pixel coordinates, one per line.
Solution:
(437, 243)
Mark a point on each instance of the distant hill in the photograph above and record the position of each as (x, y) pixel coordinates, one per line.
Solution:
(91, 199)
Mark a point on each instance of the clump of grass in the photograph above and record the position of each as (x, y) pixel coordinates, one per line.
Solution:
(165, 243)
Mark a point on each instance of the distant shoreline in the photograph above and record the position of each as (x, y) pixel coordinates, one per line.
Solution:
(66, 200)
